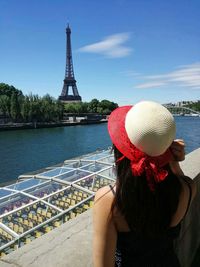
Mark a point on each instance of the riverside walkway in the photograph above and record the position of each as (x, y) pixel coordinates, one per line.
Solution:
(70, 244)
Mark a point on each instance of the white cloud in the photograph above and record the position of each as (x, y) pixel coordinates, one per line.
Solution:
(150, 85)
(112, 46)
(184, 76)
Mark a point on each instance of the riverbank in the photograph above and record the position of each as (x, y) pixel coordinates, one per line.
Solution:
(30, 125)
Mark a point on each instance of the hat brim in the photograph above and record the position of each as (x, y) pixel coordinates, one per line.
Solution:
(119, 137)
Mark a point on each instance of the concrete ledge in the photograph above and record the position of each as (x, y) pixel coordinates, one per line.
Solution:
(191, 164)
(71, 243)
(68, 245)
(189, 241)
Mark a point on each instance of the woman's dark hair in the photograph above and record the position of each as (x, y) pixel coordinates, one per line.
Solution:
(147, 213)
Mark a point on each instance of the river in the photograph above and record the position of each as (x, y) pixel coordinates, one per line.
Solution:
(23, 151)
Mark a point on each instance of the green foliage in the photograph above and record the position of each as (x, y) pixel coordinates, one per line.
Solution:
(25, 109)
(10, 98)
(5, 105)
(70, 108)
(32, 108)
(107, 106)
(14, 107)
(84, 106)
(41, 109)
(8, 90)
(94, 106)
(59, 110)
(194, 106)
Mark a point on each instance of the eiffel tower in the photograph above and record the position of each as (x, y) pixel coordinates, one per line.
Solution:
(69, 80)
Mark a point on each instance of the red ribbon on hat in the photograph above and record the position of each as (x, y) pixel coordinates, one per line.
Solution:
(154, 174)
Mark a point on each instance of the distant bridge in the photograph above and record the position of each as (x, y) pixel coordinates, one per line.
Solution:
(175, 110)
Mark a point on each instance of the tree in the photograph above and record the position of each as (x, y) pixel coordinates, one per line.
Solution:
(25, 109)
(59, 110)
(70, 108)
(35, 108)
(5, 105)
(93, 105)
(106, 106)
(78, 108)
(84, 106)
(8, 90)
(14, 107)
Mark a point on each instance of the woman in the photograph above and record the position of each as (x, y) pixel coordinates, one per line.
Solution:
(137, 219)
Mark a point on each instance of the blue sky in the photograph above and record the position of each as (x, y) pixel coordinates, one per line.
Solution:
(123, 50)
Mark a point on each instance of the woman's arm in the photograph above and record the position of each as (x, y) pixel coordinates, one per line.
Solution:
(178, 150)
(104, 231)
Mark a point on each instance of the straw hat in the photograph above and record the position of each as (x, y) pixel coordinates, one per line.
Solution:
(143, 133)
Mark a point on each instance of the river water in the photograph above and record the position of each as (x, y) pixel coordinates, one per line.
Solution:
(23, 151)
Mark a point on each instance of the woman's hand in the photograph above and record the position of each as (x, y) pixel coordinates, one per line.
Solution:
(177, 149)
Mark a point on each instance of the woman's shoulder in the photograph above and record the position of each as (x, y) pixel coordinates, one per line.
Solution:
(103, 204)
(187, 195)
(104, 194)
(188, 184)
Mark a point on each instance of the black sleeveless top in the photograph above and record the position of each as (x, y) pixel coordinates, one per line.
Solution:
(132, 251)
